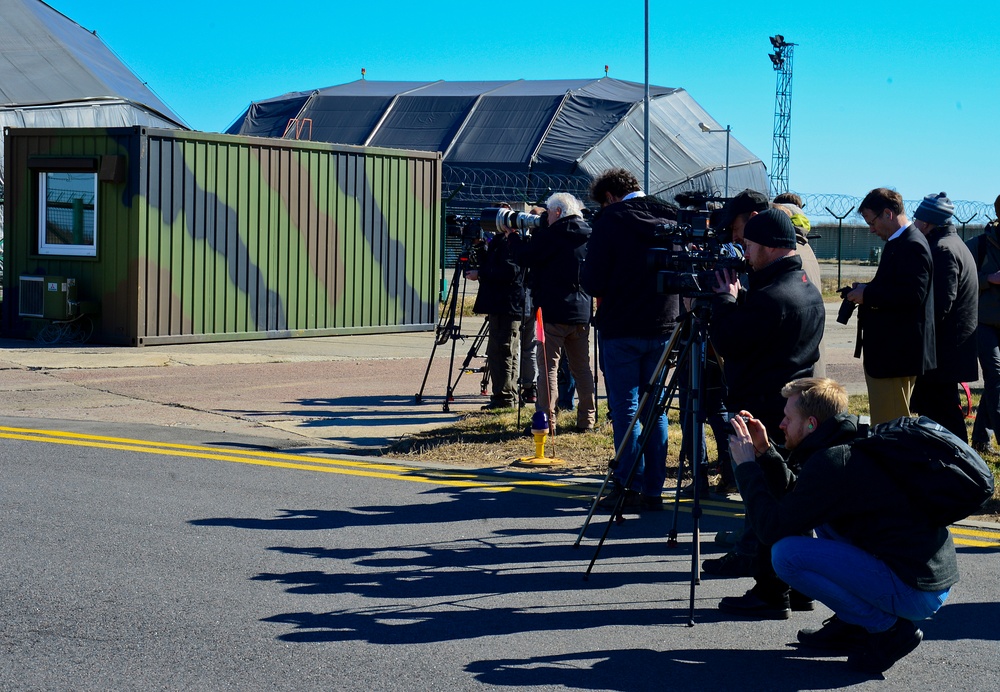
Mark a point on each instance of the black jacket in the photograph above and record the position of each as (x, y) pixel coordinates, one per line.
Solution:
(855, 497)
(956, 307)
(554, 257)
(501, 280)
(897, 318)
(617, 274)
(768, 338)
(985, 250)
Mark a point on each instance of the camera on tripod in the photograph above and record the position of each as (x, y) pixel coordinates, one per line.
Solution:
(846, 307)
(694, 255)
(508, 221)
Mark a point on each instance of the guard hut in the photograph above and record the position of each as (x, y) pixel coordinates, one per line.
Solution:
(156, 236)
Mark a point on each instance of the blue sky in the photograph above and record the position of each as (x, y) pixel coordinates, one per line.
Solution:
(902, 94)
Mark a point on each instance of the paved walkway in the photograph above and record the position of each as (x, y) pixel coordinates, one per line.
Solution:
(348, 393)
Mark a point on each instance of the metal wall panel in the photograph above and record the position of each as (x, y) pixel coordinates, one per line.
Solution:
(218, 237)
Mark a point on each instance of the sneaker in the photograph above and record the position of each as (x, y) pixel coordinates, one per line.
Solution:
(630, 503)
(986, 447)
(497, 405)
(728, 537)
(752, 605)
(834, 635)
(800, 602)
(881, 650)
(650, 503)
(729, 565)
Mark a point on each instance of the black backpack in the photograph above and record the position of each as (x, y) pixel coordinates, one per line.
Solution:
(936, 469)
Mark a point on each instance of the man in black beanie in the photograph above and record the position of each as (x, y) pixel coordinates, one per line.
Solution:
(767, 335)
(956, 310)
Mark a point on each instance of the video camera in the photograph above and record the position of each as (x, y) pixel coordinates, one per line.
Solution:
(473, 242)
(693, 251)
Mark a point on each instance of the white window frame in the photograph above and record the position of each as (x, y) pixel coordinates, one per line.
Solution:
(45, 248)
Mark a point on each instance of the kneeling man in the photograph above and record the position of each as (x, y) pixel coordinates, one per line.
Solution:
(876, 561)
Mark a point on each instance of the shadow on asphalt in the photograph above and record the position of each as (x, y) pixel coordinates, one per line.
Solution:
(459, 578)
(636, 670)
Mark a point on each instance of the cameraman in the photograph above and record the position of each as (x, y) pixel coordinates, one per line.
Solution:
(767, 335)
(634, 323)
(554, 256)
(770, 333)
(501, 299)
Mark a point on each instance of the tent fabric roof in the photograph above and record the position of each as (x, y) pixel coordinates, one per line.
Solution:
(563, 128)
(46, 58)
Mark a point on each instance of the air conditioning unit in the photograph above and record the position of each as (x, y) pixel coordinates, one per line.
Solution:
(48, 297)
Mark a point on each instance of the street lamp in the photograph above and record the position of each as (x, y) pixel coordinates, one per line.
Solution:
(728, 131)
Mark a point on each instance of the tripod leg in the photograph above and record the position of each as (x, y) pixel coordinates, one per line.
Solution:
(445, 327)
(655, 382)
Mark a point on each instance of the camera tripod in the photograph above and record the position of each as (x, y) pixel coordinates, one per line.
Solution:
(655, 401)
(449, 328)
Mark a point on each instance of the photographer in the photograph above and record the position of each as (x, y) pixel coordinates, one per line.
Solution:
(896, 320)
(876, 561)
(634, 322)
(769, 334)
(766, 336)
(501, 299)
(554, 256)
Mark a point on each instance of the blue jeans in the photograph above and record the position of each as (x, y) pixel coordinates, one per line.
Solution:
(988, 413)
(857, 586)
(629, 363)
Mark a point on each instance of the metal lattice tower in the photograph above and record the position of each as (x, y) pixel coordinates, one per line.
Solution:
(781, 60)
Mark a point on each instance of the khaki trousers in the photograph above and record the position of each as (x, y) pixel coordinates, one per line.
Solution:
(575, 339)
(889, 397)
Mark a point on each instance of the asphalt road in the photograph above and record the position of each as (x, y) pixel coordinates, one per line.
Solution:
(221, 565)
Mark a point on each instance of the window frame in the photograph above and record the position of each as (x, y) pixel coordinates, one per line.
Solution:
(58, 249)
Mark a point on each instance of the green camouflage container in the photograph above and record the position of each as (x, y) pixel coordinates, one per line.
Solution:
(189, 236)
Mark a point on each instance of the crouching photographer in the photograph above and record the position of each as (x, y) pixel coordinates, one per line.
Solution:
(875, 561)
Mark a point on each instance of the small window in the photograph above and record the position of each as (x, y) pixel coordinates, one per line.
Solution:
(67, 213)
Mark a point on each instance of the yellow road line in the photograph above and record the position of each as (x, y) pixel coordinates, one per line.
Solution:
(445, 477)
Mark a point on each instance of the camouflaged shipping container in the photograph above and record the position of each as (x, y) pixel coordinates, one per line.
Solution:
(204, 237)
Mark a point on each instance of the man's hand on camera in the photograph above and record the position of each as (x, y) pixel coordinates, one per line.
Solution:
(727, 282)
(750, 440)
(472, 275)
(858, 294)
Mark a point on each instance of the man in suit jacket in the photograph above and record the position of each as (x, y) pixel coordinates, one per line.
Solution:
(896, 319)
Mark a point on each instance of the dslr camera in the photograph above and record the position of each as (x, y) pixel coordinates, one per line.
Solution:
(501, 220)
(846, 307)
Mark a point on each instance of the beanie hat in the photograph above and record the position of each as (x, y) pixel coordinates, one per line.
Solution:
(771, 228)
(935, 209)
(743, 203)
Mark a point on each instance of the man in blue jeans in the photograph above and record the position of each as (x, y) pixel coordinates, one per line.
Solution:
(876, 561)
(634, 322)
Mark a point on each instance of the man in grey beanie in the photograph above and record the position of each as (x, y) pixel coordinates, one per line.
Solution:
(956, 295)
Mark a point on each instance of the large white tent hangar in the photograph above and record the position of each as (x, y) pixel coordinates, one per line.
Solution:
(55, 73)
(517, 141)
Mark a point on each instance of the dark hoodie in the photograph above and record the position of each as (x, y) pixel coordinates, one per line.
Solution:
(617, 274)
(554, 256)
(855, 497)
